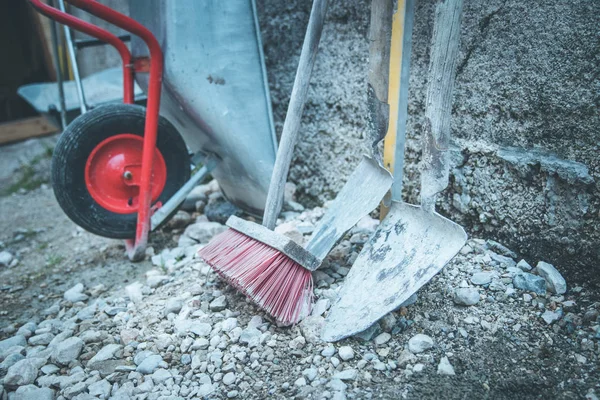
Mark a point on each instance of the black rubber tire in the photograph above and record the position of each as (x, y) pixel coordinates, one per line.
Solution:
(76, 144)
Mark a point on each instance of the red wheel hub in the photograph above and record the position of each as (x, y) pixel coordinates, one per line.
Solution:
(112, 173)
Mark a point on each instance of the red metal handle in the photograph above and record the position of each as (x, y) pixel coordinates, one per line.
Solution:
(98, 33)
(151, 127)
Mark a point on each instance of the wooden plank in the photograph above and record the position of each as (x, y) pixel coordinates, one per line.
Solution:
(43, 27)
(26, 128)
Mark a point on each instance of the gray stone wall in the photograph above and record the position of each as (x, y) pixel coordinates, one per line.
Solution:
(526, 121)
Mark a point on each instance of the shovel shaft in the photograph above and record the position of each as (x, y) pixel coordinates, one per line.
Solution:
(442, 67)
(294, 113)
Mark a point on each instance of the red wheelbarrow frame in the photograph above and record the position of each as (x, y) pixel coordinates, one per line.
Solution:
(135, 247)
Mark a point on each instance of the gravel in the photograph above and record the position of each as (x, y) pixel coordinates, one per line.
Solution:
(170, 341)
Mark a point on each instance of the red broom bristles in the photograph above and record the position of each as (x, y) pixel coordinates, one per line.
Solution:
(272, 280)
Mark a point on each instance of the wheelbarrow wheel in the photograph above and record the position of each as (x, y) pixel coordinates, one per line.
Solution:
(96, 167)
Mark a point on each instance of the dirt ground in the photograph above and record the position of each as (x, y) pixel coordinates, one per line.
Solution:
(499, 348)
(53, 255)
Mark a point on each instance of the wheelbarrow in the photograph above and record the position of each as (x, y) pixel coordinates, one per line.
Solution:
(121, 170)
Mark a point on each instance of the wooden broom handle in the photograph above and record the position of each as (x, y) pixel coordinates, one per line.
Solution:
(294, 113)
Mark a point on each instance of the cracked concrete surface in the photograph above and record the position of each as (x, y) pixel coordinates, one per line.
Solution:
(528, 79)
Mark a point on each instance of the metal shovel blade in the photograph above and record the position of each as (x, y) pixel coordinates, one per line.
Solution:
(409, 247)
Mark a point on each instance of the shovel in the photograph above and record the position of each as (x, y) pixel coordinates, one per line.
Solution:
(412, 243)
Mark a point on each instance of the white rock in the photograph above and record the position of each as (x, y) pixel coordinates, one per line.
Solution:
(554, 280)
(229, 324)
(128, 335)
(524, 266)
(346, 353)
(203, 231)
(149, 364)
(297, 343)
(67, 351)
(310, 374)
(418, 368)
(32, 392)
(445, 368)
(100, 389)
(218, 304)
(173, 306)
(200, 328)
(328, 351)
(160, 375)
(251, 337)
(5, 258)
(75, 294)
(300, 382)
(346, 375)
(105, 353)
(382, 338)
(466, 296)
(419, 343)
(41, 340)
(6, 344)
(229, 379)
(134, 291)
(23, 372)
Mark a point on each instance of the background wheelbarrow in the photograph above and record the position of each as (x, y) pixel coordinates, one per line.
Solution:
(116, 165)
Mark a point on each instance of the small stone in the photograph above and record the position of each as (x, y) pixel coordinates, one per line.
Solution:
(337, 385)
(41, 340)
(346, 353)
(328, 351)
(466, 296)
(203, 231)
(231, 394)
(186, 359)
(555, 282)
(481, 278)
(551, 316)
(23, 372)
(445, 368)
(530, 282)
(149, 364)
(200, 328)
(388, 322)
(297, 343)
(173, 306)
(5, 258)
(160, 375)
(32, 392)
(418, 368)
(590, 315)
(382, 338)
(218, 304)
(229, 379)
(419, 343)
(251, 337)
(75, 294)
(105, 353)
(100, 389)
(300, 382)
(6, 344)
(406, 357)
(49, 369)
(67, 351)
(346, 375)
(128, 335)
(310, 374)
(524, 266)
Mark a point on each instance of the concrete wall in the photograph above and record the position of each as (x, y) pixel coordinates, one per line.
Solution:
(526, 122)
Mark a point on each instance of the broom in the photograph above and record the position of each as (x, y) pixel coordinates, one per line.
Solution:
(272, 270)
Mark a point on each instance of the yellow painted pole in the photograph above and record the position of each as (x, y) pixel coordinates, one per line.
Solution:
(393, 147)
